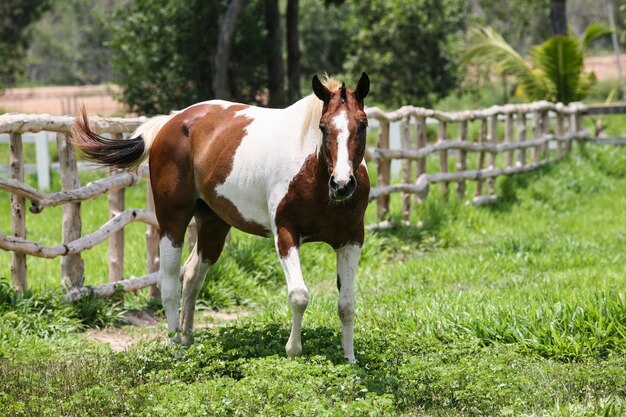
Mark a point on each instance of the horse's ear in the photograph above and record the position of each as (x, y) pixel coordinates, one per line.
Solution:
(320, 91)
(363, 87)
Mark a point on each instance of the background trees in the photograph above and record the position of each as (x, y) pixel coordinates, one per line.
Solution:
(15, 19)
(167, 54)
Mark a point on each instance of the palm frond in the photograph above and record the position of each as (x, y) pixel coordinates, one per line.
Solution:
(594, 31)
(486, 46)
(560, 58)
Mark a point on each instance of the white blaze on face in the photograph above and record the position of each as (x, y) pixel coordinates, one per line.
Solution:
(343, 166)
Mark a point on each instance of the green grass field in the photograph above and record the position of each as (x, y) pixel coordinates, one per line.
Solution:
(517, 309)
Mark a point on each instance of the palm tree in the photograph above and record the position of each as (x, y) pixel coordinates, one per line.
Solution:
(554, 70)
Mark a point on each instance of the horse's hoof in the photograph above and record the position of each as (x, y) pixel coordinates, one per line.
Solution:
(293, 349)
(186, 339)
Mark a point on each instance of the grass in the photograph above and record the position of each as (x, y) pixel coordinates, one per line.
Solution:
(517, 309)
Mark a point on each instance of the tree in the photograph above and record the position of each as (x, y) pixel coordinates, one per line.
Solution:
(324, 47)
(226, 23)
(554, 70)
(275, 65)
(558, 17)
(404, 45)
(164, 53)
(522, 22)
(69, 43)
(293, 50)
(15, 18)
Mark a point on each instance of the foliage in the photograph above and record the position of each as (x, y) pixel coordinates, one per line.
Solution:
(15, 19)
(69, 44)
(530, 26)
(405, 48)
(325, 46)
(163, 54)
(554, 71)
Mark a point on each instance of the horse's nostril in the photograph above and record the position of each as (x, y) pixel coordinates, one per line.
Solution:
(333, 184)
(351, 183)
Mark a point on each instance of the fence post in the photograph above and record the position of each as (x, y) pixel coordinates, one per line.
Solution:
(152, 243)
(537, 133)
(406, 167)
(481, 156)
(521, 136)
(18, 210)
(443, 158)
(420, 135)
(461, 164)
(545, 130)
(493, 139)
(508, 138)
(578, 124)
(384, 169)
(72, 266)
(117, 202)
(560, 131)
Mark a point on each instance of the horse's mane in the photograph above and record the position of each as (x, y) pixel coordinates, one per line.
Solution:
(313, 111)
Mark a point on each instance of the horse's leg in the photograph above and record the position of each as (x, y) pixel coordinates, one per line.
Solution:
(298, 295)
(169, 280)
(212, 233)
(173, 188)
(347, 260)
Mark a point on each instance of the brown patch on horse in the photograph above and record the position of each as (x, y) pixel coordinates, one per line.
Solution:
(211, 133)
(307, 210)
(215, 138)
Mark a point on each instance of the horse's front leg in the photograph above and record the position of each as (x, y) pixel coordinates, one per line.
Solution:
(347, 260)
(287, 246)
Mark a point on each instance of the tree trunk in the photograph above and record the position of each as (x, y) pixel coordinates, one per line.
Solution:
(275, 65)
(227, 23)
(558, 18)
(293, 51)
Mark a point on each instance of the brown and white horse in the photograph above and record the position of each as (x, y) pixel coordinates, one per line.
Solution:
(296, 174)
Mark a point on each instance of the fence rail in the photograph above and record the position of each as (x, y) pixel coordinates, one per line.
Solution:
(501, 140)
(487, 142)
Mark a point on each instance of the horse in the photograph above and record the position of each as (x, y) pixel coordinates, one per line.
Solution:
(295, 174)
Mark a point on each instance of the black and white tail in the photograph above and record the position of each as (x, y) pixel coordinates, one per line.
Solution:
(124, 154)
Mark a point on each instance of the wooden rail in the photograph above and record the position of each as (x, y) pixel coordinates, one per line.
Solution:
(479, 151)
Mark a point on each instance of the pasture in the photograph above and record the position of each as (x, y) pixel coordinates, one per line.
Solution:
(513, 309)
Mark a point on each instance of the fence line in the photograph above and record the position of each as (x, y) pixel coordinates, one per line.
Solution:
(427, 157)
(487, 143)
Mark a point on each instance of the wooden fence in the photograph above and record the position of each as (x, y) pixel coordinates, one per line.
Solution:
(427, 156)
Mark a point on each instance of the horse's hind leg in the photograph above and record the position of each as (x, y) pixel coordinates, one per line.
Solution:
(212, 233)
(173, 224)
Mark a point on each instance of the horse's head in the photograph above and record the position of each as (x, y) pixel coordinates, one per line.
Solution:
(344, 126)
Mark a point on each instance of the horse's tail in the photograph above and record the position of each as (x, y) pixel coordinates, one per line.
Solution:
(125, 154)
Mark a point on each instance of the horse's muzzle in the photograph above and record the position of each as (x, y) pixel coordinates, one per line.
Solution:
(341, 190)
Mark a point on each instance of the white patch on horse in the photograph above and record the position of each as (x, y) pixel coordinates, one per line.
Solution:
(169, 281)
(270, 155)
(343, 166)
(298, 296)
(347, 260)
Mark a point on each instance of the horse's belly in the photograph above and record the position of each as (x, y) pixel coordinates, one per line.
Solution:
(247, 209)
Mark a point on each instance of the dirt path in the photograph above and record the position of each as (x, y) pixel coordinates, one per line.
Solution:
(605, 67)
(146, 327)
